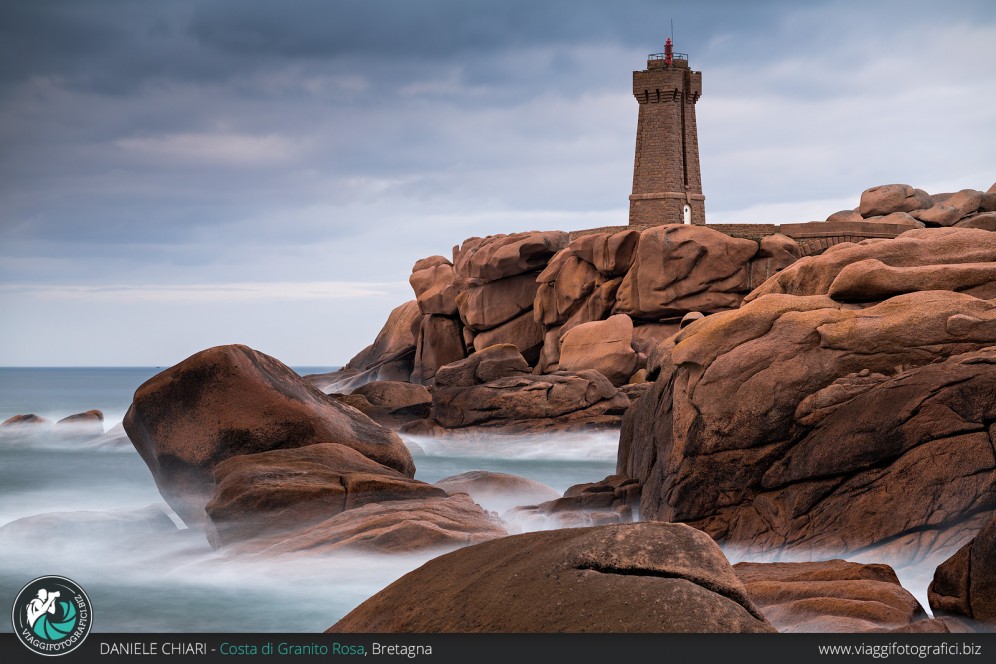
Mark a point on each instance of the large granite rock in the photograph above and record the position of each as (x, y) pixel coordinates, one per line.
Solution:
(680, 268)
(965, 584)
(635, 578)
(232, 400)
(435, 284)
(494, 389)
(290, 489)
(500, 256)
(888, 198)
(830, 596)
(488, 305)
(605, 346)
(795, 421)
(397, 526)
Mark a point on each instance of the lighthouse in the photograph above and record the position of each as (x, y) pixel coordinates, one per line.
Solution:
(667, 182)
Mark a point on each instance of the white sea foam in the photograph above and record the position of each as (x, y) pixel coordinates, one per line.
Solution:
(568, 446)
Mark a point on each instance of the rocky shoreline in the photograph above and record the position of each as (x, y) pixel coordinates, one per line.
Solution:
(787, 407)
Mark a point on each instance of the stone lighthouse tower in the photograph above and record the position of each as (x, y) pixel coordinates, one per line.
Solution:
(667, 183)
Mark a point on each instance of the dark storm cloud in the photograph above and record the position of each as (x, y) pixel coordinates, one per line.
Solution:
(112, 45)
(189, 144)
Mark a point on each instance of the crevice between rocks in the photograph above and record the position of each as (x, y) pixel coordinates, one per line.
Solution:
(739, 598)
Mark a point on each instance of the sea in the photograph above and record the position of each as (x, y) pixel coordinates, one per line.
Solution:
(88, 509)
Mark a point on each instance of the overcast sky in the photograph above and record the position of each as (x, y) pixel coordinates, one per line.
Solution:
(177, 175)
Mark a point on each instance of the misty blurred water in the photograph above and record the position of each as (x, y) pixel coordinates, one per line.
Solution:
(170, 580)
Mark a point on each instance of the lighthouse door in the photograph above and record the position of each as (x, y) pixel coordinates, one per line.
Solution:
(687, 215)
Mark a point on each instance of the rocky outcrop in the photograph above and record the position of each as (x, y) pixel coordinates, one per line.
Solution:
(232, 400)
(954, 259)
(90, 423)
(27, 420)
(494, 389)
(965, 584)
(497, 491)
(635, 578)
(903, 204)
(397, 526)
(678, 269)
(389, 403)
(390, 357)
(291, 489)
(795, 421)
(830, 596)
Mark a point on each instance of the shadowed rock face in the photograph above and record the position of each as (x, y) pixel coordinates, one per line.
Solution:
(830, 596)
(232, 400)
(633, 578)
(965, 584)
(824, 426)
(494, 388)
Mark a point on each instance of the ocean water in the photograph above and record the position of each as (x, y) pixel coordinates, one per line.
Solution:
(145, 574)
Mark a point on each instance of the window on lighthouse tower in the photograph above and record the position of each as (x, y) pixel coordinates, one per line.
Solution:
(687, 215)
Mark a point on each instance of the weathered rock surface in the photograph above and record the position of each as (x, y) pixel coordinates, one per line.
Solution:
(927, 251)
(486, 306)
(434, 281)
(830, 596)
(901, 203)
(678, 269)
(390, 357)
(497, 491)
(232, 400)
(494, 388)
(888, 198)
(397, 526)
(289, 489)
(965, 584)
(635, 578)
(795, 421)
(522, 332)
(605, 346)
(499, 256)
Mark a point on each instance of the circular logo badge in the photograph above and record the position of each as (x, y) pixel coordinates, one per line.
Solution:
(52, 615)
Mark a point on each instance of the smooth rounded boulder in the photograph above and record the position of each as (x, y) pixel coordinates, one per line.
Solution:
(647, 577)
(231, 400)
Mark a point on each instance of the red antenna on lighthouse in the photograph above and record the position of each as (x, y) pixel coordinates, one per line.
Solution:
(669, 47)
